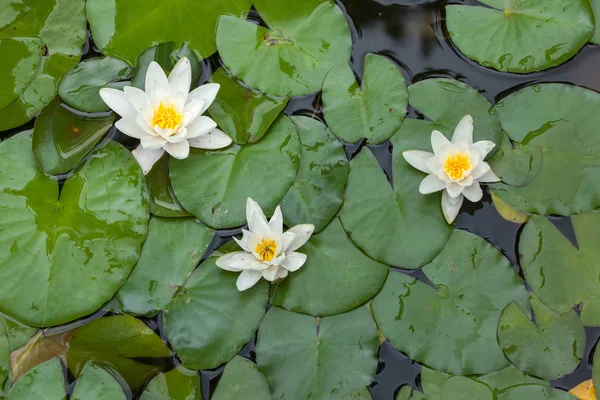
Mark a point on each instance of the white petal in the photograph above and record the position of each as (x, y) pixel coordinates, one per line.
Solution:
(117, 101)
(243, 242)
(489, 177)
(431, 184)
(483, 147)
(129, 126)
(468, 181)
(473, 193)
(155, 76)
(270, 273)
(236, 261)
(180, 77)
(301, 235)
(164, 133)
(140, 101)
(257, 222)
(193, 109)
(207, 92)
(463, 134)
(147, 157)
(439, 143)
(294, 261)
(153, 142)
(177, 137)
(282, 273)
(276, 222)
(435, 165)
(480, 170)
(418, 159)
(215, 139)
(202, 125)
(178, 150)
(247, 279)
(454, 189)
(451, 207)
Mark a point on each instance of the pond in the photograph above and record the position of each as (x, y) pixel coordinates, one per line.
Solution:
(119, 278)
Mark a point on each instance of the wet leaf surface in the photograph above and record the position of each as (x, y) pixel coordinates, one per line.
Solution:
(18, 66)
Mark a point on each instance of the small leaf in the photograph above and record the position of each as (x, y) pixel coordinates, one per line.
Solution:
(509, 212)
(241, 379)
(96, 383)
(584, 391)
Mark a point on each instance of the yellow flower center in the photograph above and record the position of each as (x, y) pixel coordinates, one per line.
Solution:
(456, 165)
(266, 249)
(166, 117)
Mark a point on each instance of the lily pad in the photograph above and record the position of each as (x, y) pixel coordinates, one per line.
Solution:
(46, 381)
(12, 337)
(520, 36)
(408, 393)
(450, 325)
(163, 202)
(336, 278)
(596, 9)
(516, 164)
(596, 371)
(243, 113)
(319, 359)
(561, 275)
(397, 226)
(318, 191)
(96, 383)
(209, 321)
(454, 100)
(4, 355)
(535, 392)
(63, 257)
(509, 212)
(120, 343)
(373, 110)
(225, 178)
(171, 252)
(550, 347)
(21, 58)
(61, 27)
(360, 394)
(561, 120)
(177, 384)
(10, 11)
(192, 22)
(303, 42)
(62, 138)
(80, 87)
(241, 379)
(43, 346)
(166, 55)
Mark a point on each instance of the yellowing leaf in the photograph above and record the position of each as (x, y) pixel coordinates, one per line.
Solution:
(508, 212)
(584, 391)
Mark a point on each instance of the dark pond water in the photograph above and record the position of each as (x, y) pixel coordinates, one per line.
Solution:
(411, 33)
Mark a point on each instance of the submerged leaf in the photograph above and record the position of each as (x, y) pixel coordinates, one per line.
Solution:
(40, 348)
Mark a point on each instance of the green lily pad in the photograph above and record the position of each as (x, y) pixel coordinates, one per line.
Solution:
(163, 202)
(171, 252)
(178, 384)
(242, 380)
(520, 36)
(263, 171)
(117, 35)
(120, 343)
(397, 226)
(336, 278)
(451, 325)
(11, 11)
(303, 42)
(516, 164)
(318, 191)
(96, 383)
(61, 27)
(46, 381)
(509, 377)
(360, 394)
(596, 371)
(374, 110)
(454, 100)
(209, 321)
(4, 355)
(561, 120)
(559, 274)
(319, 359)
(166, 55)
(596, 9)
(63, 257)
(62, 138)
(243, 113)
(408, 393)
(535, 392)
(80, 87)
(12, 337)
(21, 58)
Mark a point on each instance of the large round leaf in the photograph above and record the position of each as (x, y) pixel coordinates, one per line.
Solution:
(81, 86)
(124, 29)
(303, 41)
(120, 343)
(374, 110)
(550, 347)
(241, 379)
(336, 277)
(319, 359)
(162, 200)
(173, 248)
(318, 191)
(62, 258)
(397, 226)
(62, 138)
(210, 320)
(60, 25)
(46, 381)
(21, 58)
(561, 120)
(214, 185)
(96, 383)
(450, 325)
(520, 35)
(178, 384)
(243, 113)
(560, 274)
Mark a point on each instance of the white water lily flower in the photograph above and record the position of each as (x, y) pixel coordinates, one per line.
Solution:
(456, 167)
(166, 116)
(268, 252)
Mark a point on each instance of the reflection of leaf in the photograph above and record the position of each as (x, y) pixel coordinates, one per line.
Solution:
(37, 350)
(584, 391)
(242, 380)
(45, 381)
